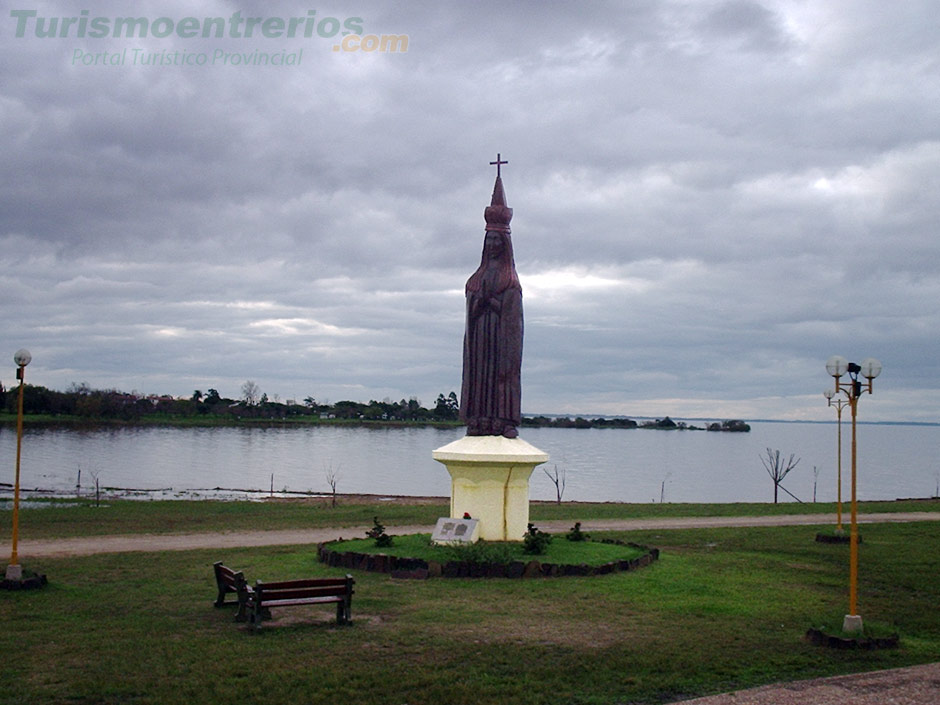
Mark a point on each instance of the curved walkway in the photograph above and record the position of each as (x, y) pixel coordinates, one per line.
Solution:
(81, 546)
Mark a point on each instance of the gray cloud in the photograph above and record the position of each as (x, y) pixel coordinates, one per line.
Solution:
(710, 199)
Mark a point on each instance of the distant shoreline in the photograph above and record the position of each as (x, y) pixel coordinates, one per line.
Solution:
(211, 421)
(529, 421)
(7, 419)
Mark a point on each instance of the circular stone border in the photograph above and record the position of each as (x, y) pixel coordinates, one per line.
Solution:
(835, 538)
(27, 582)
(420, 569)
(820, 638)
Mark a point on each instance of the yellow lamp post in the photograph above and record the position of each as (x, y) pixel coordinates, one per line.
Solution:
(21, 358)
(839, 404)
(869, 368)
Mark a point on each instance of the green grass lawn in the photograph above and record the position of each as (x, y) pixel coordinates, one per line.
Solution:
(83, 518)
(722, 609)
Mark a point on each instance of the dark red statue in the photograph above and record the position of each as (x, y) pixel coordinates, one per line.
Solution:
(491, 395)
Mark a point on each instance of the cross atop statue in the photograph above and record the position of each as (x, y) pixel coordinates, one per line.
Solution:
(498, 163)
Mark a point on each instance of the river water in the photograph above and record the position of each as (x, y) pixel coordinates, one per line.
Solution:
(624, 465)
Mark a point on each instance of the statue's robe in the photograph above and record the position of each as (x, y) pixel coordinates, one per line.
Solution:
(491, 392)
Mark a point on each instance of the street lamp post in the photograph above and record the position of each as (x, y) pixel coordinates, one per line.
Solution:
(869, 368)
(839, 404)
(21, 358)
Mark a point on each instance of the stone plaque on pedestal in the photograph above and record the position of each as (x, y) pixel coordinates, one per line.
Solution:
(459, 531)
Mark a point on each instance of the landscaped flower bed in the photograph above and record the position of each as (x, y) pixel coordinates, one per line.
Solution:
(414, 557)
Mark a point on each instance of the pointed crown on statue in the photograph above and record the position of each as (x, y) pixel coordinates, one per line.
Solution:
(498, 214)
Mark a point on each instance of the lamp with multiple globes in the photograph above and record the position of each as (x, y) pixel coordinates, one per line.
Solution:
(837, 367)
(14, 570)
(839, 404)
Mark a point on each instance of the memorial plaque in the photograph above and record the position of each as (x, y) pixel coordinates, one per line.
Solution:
(455, 531)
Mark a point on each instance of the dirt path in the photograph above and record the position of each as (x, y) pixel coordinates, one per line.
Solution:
(915, 685)
(82, 546)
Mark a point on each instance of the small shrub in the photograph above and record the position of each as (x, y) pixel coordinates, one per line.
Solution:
(377, 532)
(576, 534)
(535, 541)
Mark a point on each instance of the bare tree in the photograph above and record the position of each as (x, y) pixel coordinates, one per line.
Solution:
(778, 469)
(251, 393)
(94, 476)
(558, 478)
(332, 476)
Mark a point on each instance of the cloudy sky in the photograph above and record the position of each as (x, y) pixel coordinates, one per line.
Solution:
(711, 198)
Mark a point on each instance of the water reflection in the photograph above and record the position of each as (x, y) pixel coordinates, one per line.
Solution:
(601, 464)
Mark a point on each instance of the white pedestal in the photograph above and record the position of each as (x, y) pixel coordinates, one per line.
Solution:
(490, 482)
(852, 624)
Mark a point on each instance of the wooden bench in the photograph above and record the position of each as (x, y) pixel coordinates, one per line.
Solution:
(290, 593)
(232, 581)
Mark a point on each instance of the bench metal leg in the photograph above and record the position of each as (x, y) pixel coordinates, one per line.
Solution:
(255, 615)
(344, 608)
(344, 612)
(242, 614)
(255, 618)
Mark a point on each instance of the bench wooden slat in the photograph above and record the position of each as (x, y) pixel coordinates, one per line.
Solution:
(265, 593)
(288, 593)
(254, 603)
(232, 581)
(302, 601)
(317, 582)
(226, 581)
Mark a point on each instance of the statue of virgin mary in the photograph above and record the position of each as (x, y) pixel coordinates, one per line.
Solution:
(491, 393)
